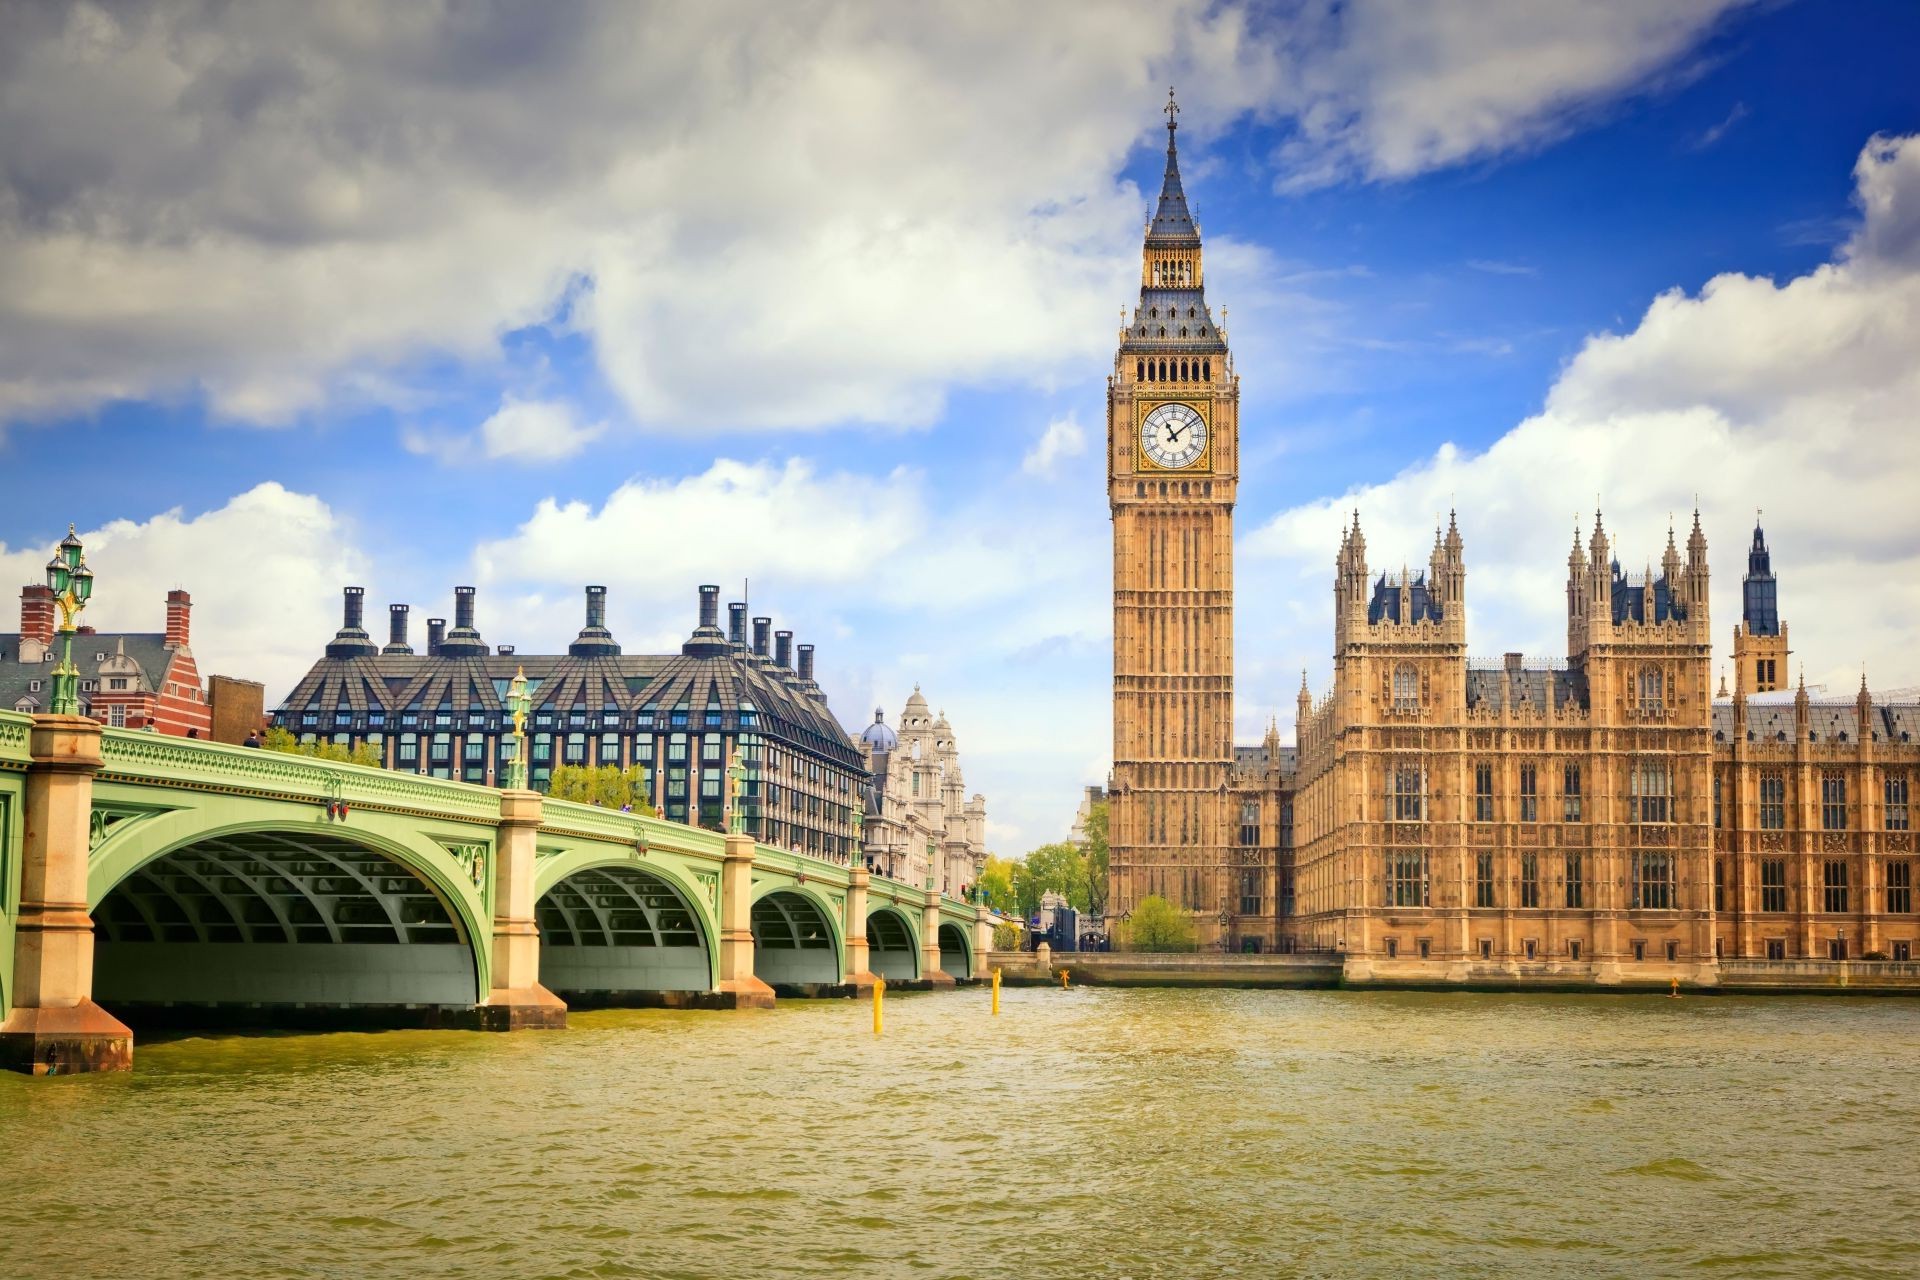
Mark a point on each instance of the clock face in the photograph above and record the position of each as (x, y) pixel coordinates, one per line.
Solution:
(1174, 435)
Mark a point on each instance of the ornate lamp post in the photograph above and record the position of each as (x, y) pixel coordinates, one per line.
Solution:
(518, 703)
(72, 584)
(737, 795)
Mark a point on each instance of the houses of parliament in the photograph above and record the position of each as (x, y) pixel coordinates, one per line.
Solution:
(1606, 817)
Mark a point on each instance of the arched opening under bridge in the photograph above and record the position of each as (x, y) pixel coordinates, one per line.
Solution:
(280, 928)
(956, 954)
(793, 947)
(621, 935)
(890, 949)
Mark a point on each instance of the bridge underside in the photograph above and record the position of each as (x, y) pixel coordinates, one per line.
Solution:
(890, 949)
(793, 949)
(954, 958)
(277, 929)
(622, 936)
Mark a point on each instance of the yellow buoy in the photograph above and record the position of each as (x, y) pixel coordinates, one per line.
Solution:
(879, 1002)
(1063, 979)
(1675, 993)
(996, 993)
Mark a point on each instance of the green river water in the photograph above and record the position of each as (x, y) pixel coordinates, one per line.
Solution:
(1081, 1133)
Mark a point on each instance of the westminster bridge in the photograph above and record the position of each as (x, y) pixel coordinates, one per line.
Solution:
(166, 878)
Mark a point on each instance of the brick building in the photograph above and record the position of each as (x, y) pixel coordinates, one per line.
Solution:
(127, 679)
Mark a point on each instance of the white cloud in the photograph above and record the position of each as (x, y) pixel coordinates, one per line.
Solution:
(1386, 89)
(776, 217)
(1799, 398)
(997, 606)
(1063, 438)
(530, 431)
(264, 572)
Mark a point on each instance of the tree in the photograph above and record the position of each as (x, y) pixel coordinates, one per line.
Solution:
(996, 884)
(364, 753)
(1096, 853)
(1156, 926)
(1052, 868)
(606, 785)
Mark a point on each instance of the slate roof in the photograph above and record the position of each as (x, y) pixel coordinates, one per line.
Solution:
(149, 649)
(721, 677)
(1254, 760)
(1523, 687)
(1773, 721)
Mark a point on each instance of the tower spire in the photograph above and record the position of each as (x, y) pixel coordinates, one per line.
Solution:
(1172, 220)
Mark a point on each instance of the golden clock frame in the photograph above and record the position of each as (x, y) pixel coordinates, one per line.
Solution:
(1143, 461)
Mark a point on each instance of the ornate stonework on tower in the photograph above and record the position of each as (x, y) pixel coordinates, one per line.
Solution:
(1760, 638)
(1172, 462)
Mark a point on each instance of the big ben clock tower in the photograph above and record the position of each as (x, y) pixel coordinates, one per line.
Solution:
(1173, 457)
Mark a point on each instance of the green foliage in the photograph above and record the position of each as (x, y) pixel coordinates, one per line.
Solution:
(606, 785)
(1156, 926)
(1052, 868)
(1095, 853)
(281, 740)
(996, 884)
(1006, 937)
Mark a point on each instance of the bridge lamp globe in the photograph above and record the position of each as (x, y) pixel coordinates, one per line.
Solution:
(82, 579)
(58, 575)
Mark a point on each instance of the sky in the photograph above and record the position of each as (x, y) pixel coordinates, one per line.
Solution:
(819, 298)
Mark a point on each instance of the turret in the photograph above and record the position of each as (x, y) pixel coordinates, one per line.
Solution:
(594, 640)
(463, 641)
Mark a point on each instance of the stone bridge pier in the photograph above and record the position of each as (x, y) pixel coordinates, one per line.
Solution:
(54, 1027)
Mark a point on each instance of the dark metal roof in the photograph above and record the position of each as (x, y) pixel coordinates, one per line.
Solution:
(726, 681)
(1421, 607)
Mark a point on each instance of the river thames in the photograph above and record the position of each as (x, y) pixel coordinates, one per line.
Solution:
(1088, 1132)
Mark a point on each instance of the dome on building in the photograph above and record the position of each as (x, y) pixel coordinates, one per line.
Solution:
(877, 735)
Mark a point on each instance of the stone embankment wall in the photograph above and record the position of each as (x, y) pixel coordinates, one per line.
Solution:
(1732, 977)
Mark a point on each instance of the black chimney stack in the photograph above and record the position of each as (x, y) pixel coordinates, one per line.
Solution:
(352, 640)
(594, 640)
(436, 633)
(806, 662)
(397, 630)
(783, 648)
(463, 641)
(762, 630)
(737, 624)
(710, 607)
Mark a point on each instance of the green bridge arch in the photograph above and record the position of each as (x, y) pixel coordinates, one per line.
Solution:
(199, 844)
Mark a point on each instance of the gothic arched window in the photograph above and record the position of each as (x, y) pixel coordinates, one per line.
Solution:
(1406, 688)
(1652, 688)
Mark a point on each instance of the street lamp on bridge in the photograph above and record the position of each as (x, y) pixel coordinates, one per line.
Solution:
(519, 701)
(72, 585)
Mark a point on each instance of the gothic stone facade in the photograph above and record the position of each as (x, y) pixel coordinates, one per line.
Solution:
(1604, 818)
(920, 826)
(1172, 465)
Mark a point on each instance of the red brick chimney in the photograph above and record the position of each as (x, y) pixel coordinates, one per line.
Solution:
(179, 609)
(37, 613)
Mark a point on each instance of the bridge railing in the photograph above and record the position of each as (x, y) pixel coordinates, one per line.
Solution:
(13, 736)
(160, 759)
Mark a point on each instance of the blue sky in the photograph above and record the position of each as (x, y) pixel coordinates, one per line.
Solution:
(652, 298)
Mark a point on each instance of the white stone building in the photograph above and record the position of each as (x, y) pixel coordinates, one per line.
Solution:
(920, 826)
